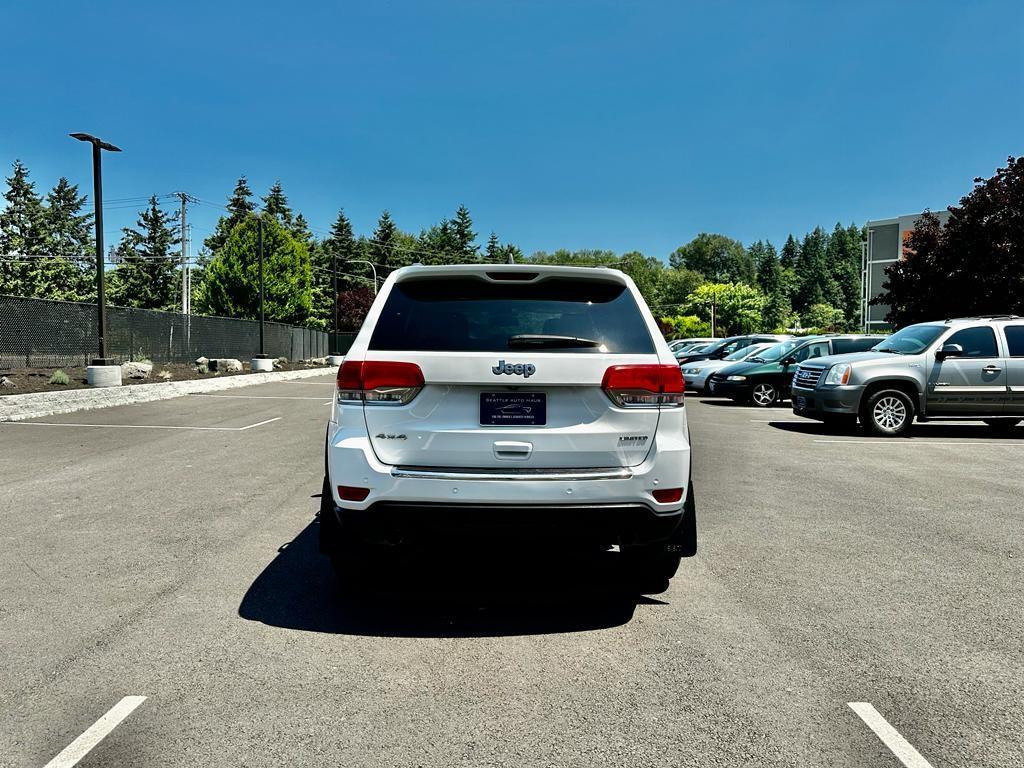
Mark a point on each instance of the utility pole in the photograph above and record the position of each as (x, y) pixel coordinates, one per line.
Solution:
(186, 283)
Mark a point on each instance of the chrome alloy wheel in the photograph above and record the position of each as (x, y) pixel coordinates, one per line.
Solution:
(889, 413)
(764, 395)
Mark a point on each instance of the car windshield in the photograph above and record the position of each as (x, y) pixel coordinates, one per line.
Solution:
(911, 340)
(777, 352)
(745, 352)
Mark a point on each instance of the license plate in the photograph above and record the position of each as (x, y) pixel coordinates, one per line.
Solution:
(513, 409)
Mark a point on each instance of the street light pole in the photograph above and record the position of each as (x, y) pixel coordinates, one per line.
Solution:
(259, 250)
(98, 145)
(363, 261)
(334, 287)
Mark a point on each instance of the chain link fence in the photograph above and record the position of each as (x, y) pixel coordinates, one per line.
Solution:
(43, 333)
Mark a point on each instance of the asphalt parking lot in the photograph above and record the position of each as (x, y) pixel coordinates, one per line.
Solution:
(168, 551)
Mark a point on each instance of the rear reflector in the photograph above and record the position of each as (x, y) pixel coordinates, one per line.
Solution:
(644, 386)
(667, 495)
(378, 382)
(351, 493)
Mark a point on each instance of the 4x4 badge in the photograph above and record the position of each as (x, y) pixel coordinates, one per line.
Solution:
(526, 370)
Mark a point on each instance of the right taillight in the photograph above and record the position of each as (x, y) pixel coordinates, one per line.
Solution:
(378, 382)
(644, 386)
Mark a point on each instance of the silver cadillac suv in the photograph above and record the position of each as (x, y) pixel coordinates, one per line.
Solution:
(967, 368)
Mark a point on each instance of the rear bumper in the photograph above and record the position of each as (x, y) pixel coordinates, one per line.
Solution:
(824, 401)
(517, 486)
(406, 522)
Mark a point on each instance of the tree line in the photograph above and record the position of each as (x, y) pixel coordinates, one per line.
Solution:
(812, 281)
(46, 248)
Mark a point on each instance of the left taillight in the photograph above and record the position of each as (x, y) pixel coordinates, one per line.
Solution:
(378, 382)
(644, 386)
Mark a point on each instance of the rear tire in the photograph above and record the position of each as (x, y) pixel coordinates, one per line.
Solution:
(650, 566)
(887, 413)
(346, 552)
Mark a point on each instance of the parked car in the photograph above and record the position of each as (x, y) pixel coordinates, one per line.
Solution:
(543, 396)
(765, 378)
(678, 343)
(695, 375)
(727, 346)
(968, 368)
(690, 349)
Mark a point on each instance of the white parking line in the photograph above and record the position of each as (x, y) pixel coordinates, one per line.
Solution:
(136, 426)
(899, 746)
(887, 441)
(81, 746)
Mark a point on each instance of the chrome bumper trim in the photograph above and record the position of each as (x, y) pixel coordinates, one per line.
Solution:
(533, 473)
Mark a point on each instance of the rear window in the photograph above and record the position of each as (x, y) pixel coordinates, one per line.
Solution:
(473, 315)
(842, 346)
(1015, 339)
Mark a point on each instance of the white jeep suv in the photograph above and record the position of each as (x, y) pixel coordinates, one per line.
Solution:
(526, 401)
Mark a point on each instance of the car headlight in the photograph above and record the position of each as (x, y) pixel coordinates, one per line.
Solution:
(839, 374)
(693, 371)
(737, 378)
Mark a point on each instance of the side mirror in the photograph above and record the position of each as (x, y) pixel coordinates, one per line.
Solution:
(949, 350)
(789, 361)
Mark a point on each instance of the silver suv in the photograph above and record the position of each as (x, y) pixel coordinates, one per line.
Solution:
(968, 368)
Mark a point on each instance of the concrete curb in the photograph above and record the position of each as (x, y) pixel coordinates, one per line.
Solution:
(36, 404)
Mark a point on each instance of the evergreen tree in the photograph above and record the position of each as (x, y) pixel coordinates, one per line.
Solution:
(301, 230)
(464, 236)
(147, 275)
(240, 206)
(438, 245)
(811, 270)
(338, 249)
(770, 278)
(276, 204)
(70, 273)
(510, 253)
(493, 250)
(22, 233)
(843, 256)
(380, 246)
(790, 253)
(230, 284)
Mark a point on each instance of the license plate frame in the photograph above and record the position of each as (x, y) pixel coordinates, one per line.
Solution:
(513, 409)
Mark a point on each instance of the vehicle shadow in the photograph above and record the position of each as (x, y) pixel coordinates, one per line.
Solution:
(926, 431)
(485, 594)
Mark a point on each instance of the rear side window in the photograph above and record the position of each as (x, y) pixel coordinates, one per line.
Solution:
(1015, 340)
(817, 349)
(842, 346)
(474, 315)
(977, 342)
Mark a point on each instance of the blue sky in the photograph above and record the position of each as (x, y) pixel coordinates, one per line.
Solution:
(627, 125)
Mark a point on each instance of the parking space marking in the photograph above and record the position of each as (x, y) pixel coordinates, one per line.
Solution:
(899, 746)
(138, 426)
(888, 441)
(80, 747)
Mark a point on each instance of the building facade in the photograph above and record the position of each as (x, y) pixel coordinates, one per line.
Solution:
(883, 246)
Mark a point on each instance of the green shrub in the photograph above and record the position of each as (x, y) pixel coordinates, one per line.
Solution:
(60, 378)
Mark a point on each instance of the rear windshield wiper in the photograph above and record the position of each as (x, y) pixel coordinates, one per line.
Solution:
(550, 340)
